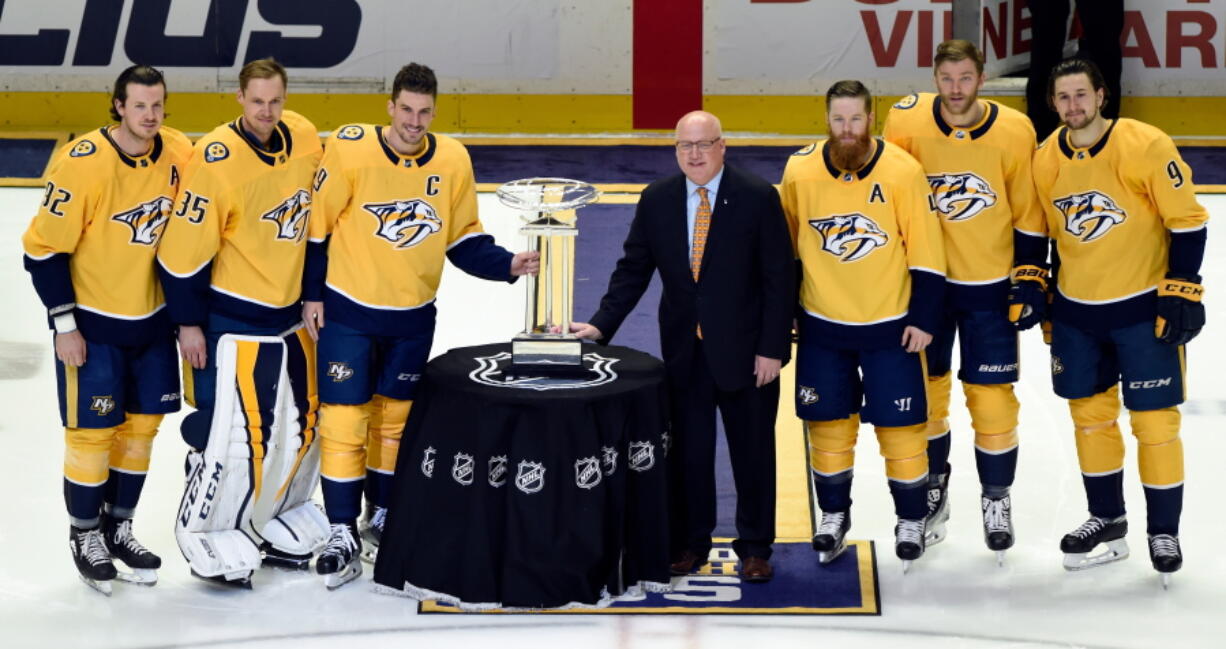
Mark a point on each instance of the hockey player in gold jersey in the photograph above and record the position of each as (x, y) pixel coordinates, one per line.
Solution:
(873, 276)
(232, 264)
(1130, 237)
(389, 202)
(976, 154)
(90, 250)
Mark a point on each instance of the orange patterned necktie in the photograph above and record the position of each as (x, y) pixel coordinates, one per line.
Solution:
(702, 223)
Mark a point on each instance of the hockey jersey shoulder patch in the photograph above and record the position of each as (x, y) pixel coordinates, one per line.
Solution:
(215, 152)
(907, 102)
(82, 149)
(351, 132)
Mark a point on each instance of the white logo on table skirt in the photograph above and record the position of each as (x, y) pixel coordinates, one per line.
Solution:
(666, 443)
(531, 477)
(642, 456)
(587, 472)
(490, 372)
(427, 461)
(462, 469)
(498, 471)
(609, 459)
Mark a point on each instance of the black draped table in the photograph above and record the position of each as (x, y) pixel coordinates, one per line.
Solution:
(532, 492)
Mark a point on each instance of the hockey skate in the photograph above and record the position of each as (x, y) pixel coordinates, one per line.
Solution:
(909, 541)
(938, 511)
(371, 531)
(143, 564)
(92, 558)
(339, 563)
(831, 538)
(285, 560)
(1078, 544)
(1165, 554)
(998, 525)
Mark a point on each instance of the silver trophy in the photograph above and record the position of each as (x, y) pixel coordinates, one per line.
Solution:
(546, 345)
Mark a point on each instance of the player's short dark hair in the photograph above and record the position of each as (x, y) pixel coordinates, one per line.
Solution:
(415, 78)
(139, 74)
(1069, 67)
(849, 88)
(265, 68)
(957, 50)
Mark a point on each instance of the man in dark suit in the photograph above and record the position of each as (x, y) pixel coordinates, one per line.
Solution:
(718, 238)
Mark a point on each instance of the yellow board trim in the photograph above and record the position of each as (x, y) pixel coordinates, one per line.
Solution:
(531, 114)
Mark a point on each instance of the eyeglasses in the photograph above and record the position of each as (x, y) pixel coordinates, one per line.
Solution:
(702, 145)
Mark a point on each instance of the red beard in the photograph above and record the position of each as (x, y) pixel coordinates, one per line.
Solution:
(849, 156)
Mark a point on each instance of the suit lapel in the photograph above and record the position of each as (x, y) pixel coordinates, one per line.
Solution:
(675, 228)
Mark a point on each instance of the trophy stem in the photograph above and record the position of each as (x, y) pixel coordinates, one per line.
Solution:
(550, 259)
(567, 271)
(530, 305)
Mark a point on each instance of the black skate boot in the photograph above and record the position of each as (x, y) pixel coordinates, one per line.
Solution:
(92, 558)
(998, 525)
(371, 531)
(117, 532)
(1078, 544)
(909, 541)
(831, 538)
(938, 510)
(1165, 554)
(339, 563)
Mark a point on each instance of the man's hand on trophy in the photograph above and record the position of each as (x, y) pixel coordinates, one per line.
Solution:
(526, 263)
(582, 330)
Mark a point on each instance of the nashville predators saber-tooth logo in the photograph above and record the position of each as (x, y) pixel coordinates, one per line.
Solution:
(1089, 215)
(147, 219)
(849, 237)
(291, 216)
(960, 196)
(405, 223)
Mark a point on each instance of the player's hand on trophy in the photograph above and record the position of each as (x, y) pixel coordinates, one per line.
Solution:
(915, 339)
(585, 330)
(765, 370)
(192, 346)
(70, 348)
(526, 263)
(313, 317)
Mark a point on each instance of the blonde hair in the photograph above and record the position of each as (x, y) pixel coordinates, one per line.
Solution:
(262, 69)
(957, 50)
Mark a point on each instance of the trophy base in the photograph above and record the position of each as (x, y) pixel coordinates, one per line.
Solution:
(555, 355)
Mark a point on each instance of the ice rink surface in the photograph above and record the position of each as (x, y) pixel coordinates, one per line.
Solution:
(954, 597)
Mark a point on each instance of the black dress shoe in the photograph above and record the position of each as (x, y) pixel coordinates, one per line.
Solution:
(686, 563)
(756, 570)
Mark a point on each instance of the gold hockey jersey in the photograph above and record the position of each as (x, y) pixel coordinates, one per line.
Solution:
(92, 243)
(859, 234)
(1115, 210)
(240, 224)
(980, 176)
(388, 221)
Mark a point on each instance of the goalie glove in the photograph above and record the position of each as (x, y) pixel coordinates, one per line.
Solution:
(1180, 312)
(1027, 296)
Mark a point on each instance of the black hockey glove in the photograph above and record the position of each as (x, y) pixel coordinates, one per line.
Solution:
(1027, 296)
(1180, 313)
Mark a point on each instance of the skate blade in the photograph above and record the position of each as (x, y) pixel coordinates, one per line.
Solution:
(139, 577)
(369, 555)
(102, 586)
(287, 563)
(826, 557)
(241, 582)
(936, 531)
(1166, 581)
(906, 566)
(1117, 550)
(1000, 558)
(348, 574)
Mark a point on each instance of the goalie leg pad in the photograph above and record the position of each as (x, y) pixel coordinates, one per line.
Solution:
(225, 481)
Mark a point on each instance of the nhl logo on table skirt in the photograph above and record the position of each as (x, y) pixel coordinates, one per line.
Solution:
(462, 469)
(427, 461)
(531, 477)
(608, 459)
(489, 372)
(498, 471)
(642, 456)
(587, 472)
